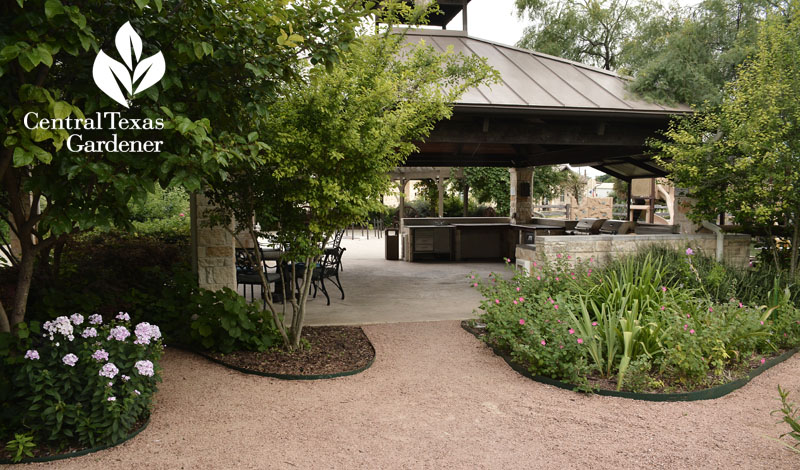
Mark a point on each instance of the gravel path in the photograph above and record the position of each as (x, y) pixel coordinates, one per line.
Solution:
(437, 398)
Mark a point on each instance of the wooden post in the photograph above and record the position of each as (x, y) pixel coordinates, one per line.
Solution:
(466, 200)
(441, 194)
(630, 196)
(651, 216)
(401, 209)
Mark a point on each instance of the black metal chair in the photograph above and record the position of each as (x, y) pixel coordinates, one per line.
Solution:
(328, 268)
(247, 275)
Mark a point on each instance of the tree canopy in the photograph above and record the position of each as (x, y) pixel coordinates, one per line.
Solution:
(744, 159)
(225, 62)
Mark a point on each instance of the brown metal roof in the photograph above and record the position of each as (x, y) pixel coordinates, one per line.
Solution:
(532, 81)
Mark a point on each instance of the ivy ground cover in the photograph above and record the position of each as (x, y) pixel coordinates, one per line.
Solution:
(651, 322)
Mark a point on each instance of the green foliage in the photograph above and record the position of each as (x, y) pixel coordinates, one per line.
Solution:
(76, 380)
(223, 321)
(547, 182)
(225, 63)
(791, 416)
(574, 184)
(333, 142)
(645, 319)
(742, 159)
(21, 446)
(490, 185)
(163, 213)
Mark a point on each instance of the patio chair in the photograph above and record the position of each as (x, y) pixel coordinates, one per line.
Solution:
(247, 275)
(328, 268)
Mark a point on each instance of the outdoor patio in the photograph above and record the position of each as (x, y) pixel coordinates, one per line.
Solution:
(381, 291)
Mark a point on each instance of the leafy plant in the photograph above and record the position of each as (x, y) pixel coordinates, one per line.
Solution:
(791, 416)
(21, 446)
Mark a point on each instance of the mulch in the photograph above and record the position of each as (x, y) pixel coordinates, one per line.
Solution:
(330, 350)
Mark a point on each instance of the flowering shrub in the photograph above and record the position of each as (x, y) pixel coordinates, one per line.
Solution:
(569, 320)
(80, 380)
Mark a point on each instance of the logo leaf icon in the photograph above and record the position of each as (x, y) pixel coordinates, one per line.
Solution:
(152, 68)
(104, 70)
(125, 40)
(109, 73)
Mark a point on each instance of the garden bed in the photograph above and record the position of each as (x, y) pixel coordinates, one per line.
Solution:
(332, 351)
(669, 392)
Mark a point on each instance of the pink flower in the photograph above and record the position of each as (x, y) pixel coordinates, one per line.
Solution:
(555, 306)
(663, 288)
(688, 316)
(475, 285)
(558, 321)
(762, 322)
(591, 260)
(557, 279)
(534, 264)
(763, 360)
(594, 323)
(558, 255)
(517, 289)
(689, 252)
(590, 271)
(538, 278)
(551, 300)
(580, 340)
(515, 302)
(663, 308)
(497, 301)
(521, 321)
(571, 331)
(522, 299)
(472, 277)
(569, 257)
(573, 277)
(691, 332)
(560, 346)
(710, 309)
(543, 342)
(685, 326)
(182, 214)
(740, 305)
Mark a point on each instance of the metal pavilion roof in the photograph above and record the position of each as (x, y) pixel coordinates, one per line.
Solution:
(546, 110)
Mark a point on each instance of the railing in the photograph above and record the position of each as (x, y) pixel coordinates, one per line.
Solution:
(561, 210)
(619, 211)
(375, 225)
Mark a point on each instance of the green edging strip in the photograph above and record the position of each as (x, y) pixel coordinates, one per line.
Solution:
(290, 376)
(78, 453)
(707, 394)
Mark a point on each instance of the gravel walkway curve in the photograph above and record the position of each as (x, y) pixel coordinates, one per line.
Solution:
(438, 398)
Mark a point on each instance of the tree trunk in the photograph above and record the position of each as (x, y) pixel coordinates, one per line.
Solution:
(5, 326)
(24, 279)
(300, 311)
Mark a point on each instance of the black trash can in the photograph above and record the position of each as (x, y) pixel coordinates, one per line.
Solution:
(392, 243)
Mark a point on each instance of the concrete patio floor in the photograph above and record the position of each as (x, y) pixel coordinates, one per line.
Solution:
(381, 291)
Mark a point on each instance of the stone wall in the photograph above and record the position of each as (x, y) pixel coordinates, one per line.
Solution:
(602, 248)
(521, 203)
(216, 267)
(595, 207)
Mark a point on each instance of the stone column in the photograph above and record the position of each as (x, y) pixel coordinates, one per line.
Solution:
(521, 201)
(681, 206)
(213, 248)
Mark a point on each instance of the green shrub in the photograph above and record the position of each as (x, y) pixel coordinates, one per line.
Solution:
(635, 310)
(78, 380)
(791, 416)
(164, 213)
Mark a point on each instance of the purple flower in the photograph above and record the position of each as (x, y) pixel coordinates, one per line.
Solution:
(70, 359)
(125, 378)
(95, 319)
(89, 332)
(119, 333)
(123, 316)
(145, 368)
(60, 325)
(109, 370)
(146, 332)
(689, 252)
(76, 318)
(32, 354)
(137, 392)
(100, 355)
(112, 398)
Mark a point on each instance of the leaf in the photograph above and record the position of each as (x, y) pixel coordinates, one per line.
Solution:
(53, 8)
(151, 70)
(22, 157)
(158, 4)
(252, 136)
(61, 109)
(127, 39)
(104, 70)
(9, 53)
(44, 55)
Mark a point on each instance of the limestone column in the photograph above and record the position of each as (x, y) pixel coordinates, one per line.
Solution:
(681, 206)
(521, 201)
(213, 249)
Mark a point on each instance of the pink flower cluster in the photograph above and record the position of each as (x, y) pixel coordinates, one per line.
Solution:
(145, 368)
(76, 318)
(70, 359)
(90, 332)
(119, 333)
(100, 355)
(109, 370)
(146, 332)
(32, 354)
(95, 319)
(123, 316)
(61, 325)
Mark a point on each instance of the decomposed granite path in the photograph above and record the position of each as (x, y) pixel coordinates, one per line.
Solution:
(437, 398)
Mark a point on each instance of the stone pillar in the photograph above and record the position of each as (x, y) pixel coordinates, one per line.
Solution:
(213, 248)
(521, 201)
(681, 206)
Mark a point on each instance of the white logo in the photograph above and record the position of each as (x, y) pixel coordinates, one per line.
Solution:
(107, 71)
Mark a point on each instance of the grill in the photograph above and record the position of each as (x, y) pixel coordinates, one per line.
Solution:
(617, 227)
(588, 226)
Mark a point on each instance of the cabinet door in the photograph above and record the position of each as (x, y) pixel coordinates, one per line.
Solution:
(441, 240)
(423, 239)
